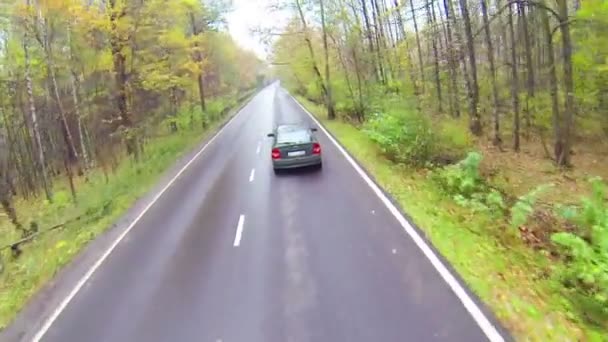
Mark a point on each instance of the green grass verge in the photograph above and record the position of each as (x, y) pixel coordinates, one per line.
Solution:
(101, 201)
(511, 280)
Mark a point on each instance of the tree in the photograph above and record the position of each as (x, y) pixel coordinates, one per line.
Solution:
(34, 117)
(101, 78)
(329, 102)
(473, 88)
(496, 140)
(514, 82)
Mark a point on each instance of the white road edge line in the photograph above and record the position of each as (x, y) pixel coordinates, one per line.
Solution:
(251, 175)
(239, 231)
(257, 151)
(482, 321)
(64, 303)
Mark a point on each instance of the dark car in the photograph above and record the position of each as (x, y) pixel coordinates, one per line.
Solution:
(295, 146)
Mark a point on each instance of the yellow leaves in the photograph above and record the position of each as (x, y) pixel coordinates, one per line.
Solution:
(104, 60)
(174, 38)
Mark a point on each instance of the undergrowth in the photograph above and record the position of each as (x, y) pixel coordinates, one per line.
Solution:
(101, 199)
(585, 254)
(517, 276)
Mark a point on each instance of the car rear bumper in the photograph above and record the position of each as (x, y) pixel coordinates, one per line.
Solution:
(290, 163)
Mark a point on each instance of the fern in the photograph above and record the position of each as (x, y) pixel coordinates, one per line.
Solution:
(587, 252)
(524, 207)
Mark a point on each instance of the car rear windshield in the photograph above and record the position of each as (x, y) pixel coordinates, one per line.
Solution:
(300, 136)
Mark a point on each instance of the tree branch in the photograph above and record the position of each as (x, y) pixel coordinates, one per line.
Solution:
(525, 2)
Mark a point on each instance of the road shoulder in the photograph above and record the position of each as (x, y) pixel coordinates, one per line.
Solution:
(41, 305)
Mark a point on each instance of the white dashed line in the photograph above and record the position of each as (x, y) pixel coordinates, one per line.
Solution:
(251, 175)
(239, 231)
(83, 280)
(257, 151)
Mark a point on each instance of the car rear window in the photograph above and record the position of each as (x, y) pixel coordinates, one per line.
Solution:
(293, 137)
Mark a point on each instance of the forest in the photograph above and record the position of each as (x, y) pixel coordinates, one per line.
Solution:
(487, 120)
(97, 99)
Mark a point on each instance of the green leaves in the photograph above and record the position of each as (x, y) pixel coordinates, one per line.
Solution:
(524, 206)
(462, 178)
(404, 136)
(587, 249)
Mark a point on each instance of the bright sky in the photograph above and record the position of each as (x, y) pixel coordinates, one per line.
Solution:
(249, 14)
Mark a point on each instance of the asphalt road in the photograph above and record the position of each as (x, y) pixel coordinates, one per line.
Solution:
(230, 252)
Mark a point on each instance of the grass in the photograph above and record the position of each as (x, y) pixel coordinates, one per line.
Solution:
(101, 201)
(508, 276)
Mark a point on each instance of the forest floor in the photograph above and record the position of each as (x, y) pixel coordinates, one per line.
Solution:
(509, 270)
(102, 199)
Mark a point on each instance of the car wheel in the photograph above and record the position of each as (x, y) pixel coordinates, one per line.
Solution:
(276, 171)
(319, 166)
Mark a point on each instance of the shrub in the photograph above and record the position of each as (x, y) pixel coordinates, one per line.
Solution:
(462, 178)
(524, 207)
(454, 138)
(404, 137)
(586, 269)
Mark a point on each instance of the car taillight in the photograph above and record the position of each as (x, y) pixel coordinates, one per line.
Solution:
(316, 148)
(276, 153)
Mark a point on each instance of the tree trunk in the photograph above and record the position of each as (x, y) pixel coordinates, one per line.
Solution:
(311, 51)
(36, 130)
(496, 140)
(514, 82)
(454, 98)
(329, 101)
(432, 23)
(368, 31)
(553, 85)
(75, 95)
(199, 77)
(392, 36)
(420, 63)
(6, 193)
(409, 64)
(529, 67)
(563, 158)
(474, 122)
(379, 47)
(380, 34)
(121, 79)
(48, 53)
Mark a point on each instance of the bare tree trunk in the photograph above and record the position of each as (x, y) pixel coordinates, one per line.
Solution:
(379, 47)
(454, 98)
(6, 194)
(77, 111)
(368, 32)
(420, 63)
(474, 122)
(121, 79)
(496, 140)
(36, 130)
(311, 51)
(529, 67)
(563, 158)
(382, 39)
(409, 64)
(392, 36)
(48, 52)
(329, 101)
(553, 85)
(432, 23)
(514, 82)
(199, 77)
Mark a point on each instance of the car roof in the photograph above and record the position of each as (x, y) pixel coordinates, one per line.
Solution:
(283, 128)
